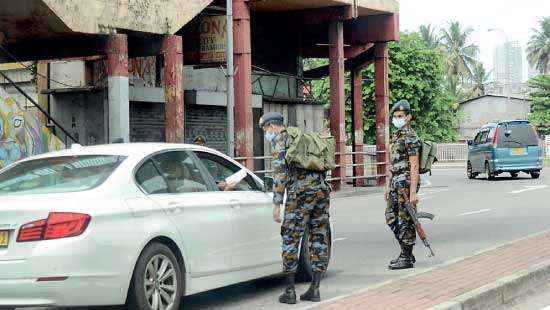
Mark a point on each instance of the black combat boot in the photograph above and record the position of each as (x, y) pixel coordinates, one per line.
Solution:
(289, 295)
(312, 294)
(393, 261)
(405, 260)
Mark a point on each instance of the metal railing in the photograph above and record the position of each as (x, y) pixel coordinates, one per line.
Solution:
(49, 118)
(287, 86)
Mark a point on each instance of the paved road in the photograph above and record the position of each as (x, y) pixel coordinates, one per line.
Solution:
(471, 215)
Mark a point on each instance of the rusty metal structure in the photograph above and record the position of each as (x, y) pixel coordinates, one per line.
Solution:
(352, 34)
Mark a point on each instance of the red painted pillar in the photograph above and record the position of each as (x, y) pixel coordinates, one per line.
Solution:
(357, 120)
(382, 97)
(337, 99)
(172, 50)
(118, 88)
(243, 82)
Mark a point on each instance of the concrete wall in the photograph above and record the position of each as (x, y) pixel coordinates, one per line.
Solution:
(483, 110)
(82, 115)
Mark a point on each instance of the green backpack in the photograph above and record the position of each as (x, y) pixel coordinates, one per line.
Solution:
(310, 150)
(428, 153)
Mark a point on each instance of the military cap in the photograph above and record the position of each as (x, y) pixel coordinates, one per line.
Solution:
(270, 116)
(200, 139)
(401, 105)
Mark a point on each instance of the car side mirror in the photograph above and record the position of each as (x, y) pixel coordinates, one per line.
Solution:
(508, 133)
(470, 142)
(268, 184)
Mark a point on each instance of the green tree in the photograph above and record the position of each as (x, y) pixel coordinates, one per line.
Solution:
(428, 36)
(416, 74)
(538, 48)
(480, 78)
(540, 107)
(461, 56)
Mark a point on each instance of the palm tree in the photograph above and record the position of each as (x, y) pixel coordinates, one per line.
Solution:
(480, 77)
(429, 37)
(461, 56)
(538, 48)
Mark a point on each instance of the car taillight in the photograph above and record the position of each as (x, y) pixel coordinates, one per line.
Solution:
(496, 137)
(58, 225)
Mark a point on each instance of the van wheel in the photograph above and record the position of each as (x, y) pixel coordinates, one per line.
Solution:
(488, 174)
(469, 172)
(305, 274)
(535, 174)
(157, 281)
(514, 174)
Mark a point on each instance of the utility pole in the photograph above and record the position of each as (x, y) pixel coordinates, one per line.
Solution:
(230, 74)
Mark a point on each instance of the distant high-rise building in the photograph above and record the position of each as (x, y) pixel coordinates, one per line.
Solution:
(508, 68)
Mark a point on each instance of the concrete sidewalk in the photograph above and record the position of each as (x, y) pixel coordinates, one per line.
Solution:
(482, 281)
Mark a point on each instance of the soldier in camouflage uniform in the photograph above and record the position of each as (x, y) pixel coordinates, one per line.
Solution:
(404, 174)
(307, 203)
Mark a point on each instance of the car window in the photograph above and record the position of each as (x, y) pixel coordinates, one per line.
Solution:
(220, 168)
(180, 172)
(491, 134)
(150, 179)
(477, 138)
(519, 135)
(58, 174)
(483, 138)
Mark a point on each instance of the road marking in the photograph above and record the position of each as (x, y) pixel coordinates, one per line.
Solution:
(475, 212)
(528, 189)
(339, 239)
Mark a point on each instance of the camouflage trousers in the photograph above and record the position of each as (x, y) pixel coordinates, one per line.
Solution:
(306, 210)
(397, 217)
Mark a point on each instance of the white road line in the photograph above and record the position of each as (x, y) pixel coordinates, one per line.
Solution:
(475, 212)
(339, 239)
(528, 189)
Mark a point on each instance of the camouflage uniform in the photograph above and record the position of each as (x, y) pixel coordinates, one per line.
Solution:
(307, 203)
(404, 145)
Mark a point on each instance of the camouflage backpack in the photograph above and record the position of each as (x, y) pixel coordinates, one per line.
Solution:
(428, 153)
(310, 150)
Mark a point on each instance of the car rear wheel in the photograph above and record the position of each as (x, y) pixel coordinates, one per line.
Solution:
(535, 174)
(157, 281)
(469, 172)
(514, 174)
(305, 273)
(488, 174)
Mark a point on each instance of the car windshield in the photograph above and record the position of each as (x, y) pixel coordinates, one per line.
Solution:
(58, 174)
(517, 135)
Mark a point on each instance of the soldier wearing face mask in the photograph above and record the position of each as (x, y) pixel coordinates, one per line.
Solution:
(403, 174)
(307, 204)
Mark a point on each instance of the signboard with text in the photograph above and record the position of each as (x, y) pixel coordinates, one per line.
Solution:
(213, 44)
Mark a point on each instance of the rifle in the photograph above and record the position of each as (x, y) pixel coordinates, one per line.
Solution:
(415, 216)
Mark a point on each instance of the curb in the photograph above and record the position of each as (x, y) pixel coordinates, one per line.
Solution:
(501, 291)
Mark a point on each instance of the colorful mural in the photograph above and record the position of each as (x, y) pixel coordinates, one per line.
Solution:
(21, 133)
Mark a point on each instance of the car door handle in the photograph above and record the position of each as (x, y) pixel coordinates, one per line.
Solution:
(235, 204)
(175, 207)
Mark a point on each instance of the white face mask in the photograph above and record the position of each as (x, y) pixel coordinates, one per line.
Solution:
(399, 122)
(270, 136)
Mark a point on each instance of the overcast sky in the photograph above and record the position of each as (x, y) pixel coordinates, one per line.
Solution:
(514, 17)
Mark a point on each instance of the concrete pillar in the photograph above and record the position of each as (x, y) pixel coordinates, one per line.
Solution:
(42, 83)
(382, 97)
(337, 99)
(118, 93)
(243, 82)
(172, 50)
(357, 122)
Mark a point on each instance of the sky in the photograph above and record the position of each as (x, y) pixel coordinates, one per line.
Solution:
(513, 20)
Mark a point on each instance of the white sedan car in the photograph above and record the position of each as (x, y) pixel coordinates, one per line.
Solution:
(138, 224)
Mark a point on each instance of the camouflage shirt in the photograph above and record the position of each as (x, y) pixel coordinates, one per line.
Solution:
(294, 180)
(404, 145)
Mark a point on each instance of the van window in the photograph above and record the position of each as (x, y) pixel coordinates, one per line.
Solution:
(520, 135)
(484, 137)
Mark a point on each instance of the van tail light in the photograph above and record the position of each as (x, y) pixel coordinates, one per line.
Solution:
(496, 137)
(58, 225)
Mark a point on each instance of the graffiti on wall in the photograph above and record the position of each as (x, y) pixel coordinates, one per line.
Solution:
(21, 133)
(141, 72)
